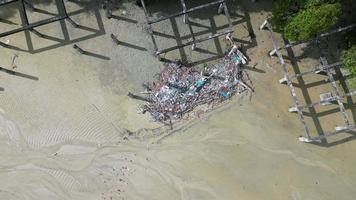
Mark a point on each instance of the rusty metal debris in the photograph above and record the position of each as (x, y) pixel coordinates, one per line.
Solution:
(180, 88)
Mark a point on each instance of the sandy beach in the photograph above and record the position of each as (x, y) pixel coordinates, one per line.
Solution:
(68, 131)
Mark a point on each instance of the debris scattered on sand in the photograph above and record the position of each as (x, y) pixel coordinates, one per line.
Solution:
(179, 88)
(13, 64)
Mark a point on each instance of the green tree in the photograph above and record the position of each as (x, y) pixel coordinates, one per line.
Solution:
(283, 11)
(308, 23)
(303, 19)
(350, 60)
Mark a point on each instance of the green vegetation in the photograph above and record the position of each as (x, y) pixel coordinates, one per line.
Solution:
(311, 21)
(350, 64)
(350, 60)
(300, 20)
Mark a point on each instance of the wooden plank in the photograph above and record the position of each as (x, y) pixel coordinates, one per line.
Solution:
(289, 82)
(336, 90)
(316, 69)
(342, 29)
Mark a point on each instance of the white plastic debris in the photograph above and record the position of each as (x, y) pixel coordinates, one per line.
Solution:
(292, 109)
(263, 24)
(325, 98)
(273, 52)
(283, 80)
(305, 139)
(236, 51)
(340, 128)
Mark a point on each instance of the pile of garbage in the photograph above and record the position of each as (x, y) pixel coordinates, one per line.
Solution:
(180, 88)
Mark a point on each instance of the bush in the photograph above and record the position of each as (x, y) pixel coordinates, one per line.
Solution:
(308, 23)
(304, 19)
(284, 10)
(350, 60)
(313, 3)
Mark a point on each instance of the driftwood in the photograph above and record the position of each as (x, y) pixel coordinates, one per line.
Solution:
(131, 95)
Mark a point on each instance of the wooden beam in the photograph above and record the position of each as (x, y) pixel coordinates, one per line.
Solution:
(336, 90)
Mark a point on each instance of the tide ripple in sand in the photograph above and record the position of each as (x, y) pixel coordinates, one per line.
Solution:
(86, 164)
(73, 165)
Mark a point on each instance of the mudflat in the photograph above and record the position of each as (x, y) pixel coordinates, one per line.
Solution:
(69, 131)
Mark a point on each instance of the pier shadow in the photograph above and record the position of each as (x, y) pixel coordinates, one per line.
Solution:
(86, 7)
(132, 46)
(19, 74)
(120, 18)
(95, 55)
(7, 22)
(311, 111)
(169, 7)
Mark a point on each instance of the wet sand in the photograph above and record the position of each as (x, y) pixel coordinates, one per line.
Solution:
(74, 134)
